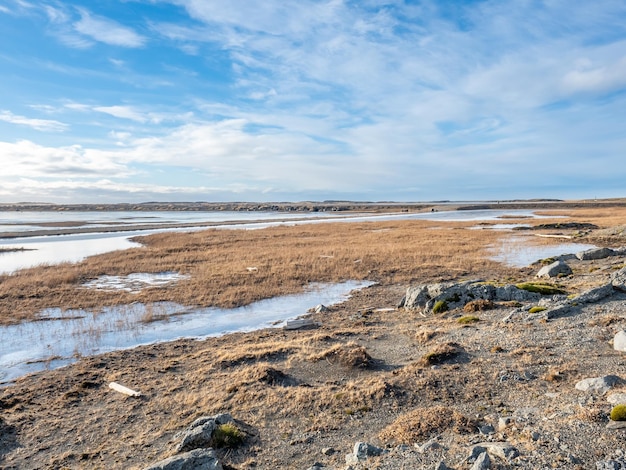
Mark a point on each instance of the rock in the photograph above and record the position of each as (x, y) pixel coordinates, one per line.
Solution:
(504, 422)
(619, 341)
(428, 445)
(595, 253)
(441, 466)
(200, 432)
(618, 464)
(486, 429)
(361, 451)
(617, 399)
(616, 425)
(618, 280)
(554, 269)
(197, 459)
(321, 308)
(599, 385)
(458, 294)
(328, 451)
(483, 462)
(316, 466)
(594, 295)
(300, 324)
(503, 450)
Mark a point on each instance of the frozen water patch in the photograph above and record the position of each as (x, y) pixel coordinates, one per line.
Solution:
(62, 337)
(517, 252)
(135, 282)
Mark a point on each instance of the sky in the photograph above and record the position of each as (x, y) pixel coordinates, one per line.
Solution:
(293, 100)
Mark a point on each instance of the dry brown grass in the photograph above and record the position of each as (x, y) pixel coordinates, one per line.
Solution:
(285, 258)
(423, 423)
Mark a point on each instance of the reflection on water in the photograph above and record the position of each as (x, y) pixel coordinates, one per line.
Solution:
(519, 251)
(61, 337)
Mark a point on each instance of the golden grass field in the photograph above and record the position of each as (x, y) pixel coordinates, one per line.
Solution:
(364, 374)
(285, 258)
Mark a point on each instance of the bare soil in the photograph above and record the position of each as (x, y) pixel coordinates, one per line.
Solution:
(363, 375)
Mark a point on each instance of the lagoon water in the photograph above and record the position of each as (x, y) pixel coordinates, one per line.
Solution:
(54, 249)
(62, 337)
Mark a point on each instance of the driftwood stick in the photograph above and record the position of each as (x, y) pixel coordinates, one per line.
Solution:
(125, 390)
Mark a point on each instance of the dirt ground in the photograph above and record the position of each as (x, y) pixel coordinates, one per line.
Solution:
(367, 373)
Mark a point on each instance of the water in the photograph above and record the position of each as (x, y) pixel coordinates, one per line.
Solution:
(62, 337)
(73, 248)
(518, 252)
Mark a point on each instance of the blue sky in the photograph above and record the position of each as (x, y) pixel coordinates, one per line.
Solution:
(277, 100)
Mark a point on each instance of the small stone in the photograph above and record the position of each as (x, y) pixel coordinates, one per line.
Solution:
(617, 399)
(442, 466)
(504, 422)
(534, 435)
(619, 341)
(316, 466)
(487, 429)
(321, 308)
(616, 425)
(428, 445)
(328, 451)
(599, 385)
(483, 462)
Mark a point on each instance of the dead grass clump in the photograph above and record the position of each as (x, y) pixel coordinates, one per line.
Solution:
(592, 414)
(271, 376)
(440, 354)
(348, 354)
(424, 423)
(424, 336)
(606, 320)
(478, 305)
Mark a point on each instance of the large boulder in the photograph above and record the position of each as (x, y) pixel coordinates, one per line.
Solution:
(455, 295)
(555, 269)
(200, 432)
(595, 253)
(197, 459)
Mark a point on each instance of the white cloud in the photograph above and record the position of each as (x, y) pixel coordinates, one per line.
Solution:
(124, 112)
(107, 31)
(27, 159)
(44, 125)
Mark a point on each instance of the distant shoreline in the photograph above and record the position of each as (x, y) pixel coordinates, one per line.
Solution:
(312, 206)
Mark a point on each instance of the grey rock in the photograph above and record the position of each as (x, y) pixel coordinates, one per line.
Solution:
(599, 385)
(486, 430)
(504, 422)
(316, 466)
(200, 432)
(503, 450)
(555, 269)
(617, 399)
(616, 425)
(619, 341)
(321, 308)
(361, 451)
(442, 466)
(458, 294)
(618, 464)
(483, 462)
(428, 445)
(328, 451)
(197, 459)
(595, 253)
(618, 280)
(594, 295)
